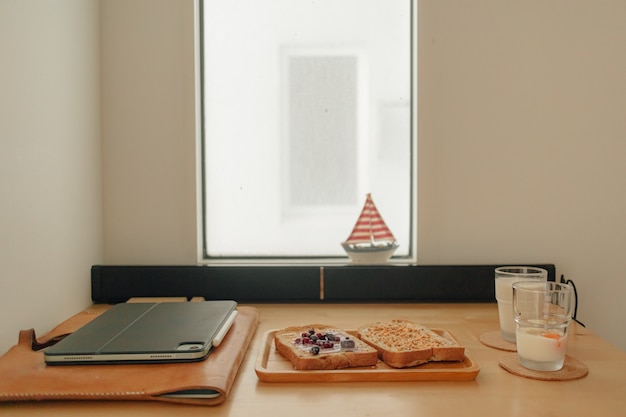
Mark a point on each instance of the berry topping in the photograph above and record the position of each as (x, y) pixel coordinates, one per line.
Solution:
(317, 342)
(334, 337)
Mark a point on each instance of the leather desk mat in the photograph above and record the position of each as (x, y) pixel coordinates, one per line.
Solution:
(26, 377)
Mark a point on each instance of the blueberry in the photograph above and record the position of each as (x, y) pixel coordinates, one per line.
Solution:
(347, 344)
(315, 350)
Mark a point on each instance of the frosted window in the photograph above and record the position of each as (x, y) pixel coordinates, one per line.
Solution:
(306, 108)
(321, 140)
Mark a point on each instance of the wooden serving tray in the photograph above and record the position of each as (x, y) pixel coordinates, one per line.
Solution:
(271, 366)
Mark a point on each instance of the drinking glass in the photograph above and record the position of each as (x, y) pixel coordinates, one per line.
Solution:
(505, 277)
(542, 311)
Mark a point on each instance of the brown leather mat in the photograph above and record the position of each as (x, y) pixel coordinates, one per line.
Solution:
(494, 339)
(25, 376)
(572, 369)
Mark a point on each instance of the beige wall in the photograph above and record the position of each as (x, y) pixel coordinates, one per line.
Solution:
(148, 131)
(521, 139)
(521, 144)
(50, 171)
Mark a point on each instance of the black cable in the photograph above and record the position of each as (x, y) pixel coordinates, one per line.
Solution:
(570, 282)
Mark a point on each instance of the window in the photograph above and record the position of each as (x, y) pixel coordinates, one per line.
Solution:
(306, 107)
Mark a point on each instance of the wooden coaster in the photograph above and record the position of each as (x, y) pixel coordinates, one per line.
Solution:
(572, 369)
(494, 339)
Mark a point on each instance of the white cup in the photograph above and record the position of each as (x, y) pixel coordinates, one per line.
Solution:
(505, 277)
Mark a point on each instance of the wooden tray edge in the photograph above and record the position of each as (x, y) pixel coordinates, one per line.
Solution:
(366, 374)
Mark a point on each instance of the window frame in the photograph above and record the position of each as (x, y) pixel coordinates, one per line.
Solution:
(202, 252)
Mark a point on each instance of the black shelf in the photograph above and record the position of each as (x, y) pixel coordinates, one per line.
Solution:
(300, 284)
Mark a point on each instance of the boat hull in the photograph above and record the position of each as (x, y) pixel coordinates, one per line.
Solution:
(370, 254)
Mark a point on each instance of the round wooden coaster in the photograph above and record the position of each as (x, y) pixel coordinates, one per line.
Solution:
(572, 369)
(494, 339)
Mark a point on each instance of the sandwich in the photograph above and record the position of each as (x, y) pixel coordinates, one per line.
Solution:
(403, 344)
(320, 346)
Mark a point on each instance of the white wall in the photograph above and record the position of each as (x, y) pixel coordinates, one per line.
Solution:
(148, 131)
(521, 139)
(50, 181)
(522, 142)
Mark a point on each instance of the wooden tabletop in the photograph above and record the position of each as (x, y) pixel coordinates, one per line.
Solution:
(494, 391)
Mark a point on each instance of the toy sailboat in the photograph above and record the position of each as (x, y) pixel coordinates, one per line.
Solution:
(371, 241)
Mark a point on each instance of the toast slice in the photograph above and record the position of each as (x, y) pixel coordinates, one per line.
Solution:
(403, 344)
(320, 346)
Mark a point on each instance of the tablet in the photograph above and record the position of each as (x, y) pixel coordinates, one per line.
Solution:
(147, 333)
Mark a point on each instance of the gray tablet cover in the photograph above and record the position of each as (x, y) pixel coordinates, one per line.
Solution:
(145, 333)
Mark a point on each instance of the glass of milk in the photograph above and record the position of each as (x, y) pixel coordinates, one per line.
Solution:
(542, 311)
(505, 277)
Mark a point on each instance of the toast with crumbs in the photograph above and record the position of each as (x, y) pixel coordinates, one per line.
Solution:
(403, 344)
(320, 346)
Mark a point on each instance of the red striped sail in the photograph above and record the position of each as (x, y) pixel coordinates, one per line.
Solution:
(370, 226)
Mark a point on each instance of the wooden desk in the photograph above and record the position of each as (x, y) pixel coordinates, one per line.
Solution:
(495, 392)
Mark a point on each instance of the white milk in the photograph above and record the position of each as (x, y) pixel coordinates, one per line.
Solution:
(504, 295)
(540, 349)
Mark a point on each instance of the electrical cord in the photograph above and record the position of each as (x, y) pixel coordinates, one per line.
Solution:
(570, 282)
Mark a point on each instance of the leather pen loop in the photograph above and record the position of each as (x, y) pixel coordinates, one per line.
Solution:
(37, 345)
